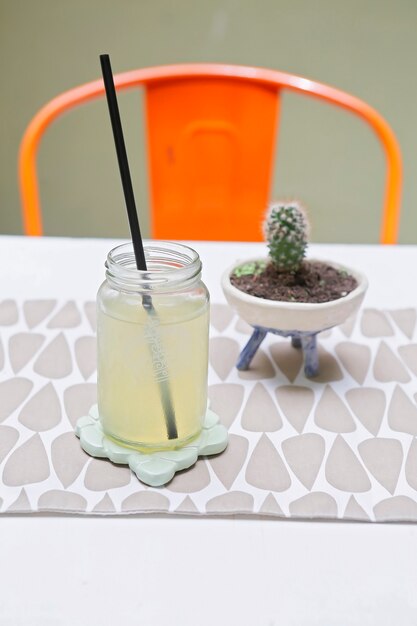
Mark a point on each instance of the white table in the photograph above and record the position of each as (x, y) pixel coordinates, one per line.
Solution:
(58, 570)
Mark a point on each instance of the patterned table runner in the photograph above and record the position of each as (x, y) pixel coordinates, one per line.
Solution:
(341, 446)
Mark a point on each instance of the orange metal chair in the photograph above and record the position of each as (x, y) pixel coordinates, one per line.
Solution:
(211, 131)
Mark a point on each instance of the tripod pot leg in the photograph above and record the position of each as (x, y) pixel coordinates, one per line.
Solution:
(311, 357)
(296, 341)
(249, 351)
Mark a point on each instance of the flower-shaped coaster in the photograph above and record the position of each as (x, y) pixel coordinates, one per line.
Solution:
(153, 468)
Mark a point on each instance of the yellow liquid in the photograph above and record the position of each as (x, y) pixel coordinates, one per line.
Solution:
(141, 357)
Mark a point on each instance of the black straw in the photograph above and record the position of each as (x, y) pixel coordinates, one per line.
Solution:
(123, 162)
(134, 222)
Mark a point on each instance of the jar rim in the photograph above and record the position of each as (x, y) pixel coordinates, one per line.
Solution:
(169, 264)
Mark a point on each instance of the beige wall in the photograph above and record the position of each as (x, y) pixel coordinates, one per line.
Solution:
(327, 158)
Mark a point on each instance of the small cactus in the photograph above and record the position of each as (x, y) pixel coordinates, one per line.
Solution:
(286, 231)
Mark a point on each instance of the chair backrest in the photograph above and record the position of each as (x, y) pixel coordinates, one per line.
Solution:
(211, 131)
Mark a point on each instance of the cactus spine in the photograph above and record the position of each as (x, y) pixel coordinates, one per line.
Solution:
(286, 231)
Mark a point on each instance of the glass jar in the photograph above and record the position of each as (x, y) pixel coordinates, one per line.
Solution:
(152, 336)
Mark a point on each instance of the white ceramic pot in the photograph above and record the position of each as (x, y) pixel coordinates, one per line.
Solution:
(294, 316)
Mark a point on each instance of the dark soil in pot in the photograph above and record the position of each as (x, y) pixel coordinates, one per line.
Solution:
(313, 282)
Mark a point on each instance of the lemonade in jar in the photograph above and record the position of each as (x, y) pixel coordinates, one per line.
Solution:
(152, 337)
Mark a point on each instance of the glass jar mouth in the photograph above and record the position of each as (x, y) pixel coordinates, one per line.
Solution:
(169, 265)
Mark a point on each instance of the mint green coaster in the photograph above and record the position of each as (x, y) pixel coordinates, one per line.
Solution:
(153, 468)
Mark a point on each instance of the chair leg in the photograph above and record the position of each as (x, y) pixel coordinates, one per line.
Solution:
(249, 351)
(311, 357)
